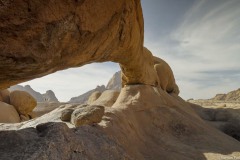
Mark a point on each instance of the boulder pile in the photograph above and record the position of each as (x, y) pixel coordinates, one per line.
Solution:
(15, 106)
(83, 114)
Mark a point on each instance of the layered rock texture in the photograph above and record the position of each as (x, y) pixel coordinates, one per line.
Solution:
(49, 96)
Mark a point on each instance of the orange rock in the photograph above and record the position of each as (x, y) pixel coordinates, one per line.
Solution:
(40, 38)
(22, 101)
(8, 114)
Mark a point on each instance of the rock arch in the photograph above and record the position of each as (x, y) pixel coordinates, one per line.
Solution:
(41, 37)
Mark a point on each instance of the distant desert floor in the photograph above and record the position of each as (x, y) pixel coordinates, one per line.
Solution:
(223, 115)
(216, 104)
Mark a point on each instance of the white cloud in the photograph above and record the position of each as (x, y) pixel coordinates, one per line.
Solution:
(206, 40)
(203, 51)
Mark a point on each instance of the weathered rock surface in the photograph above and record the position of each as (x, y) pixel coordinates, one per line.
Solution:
(49, 96)
(22, 101)
(165, 75)
(144, 123)
(93, 97)
(40, 38)
(107, 98)
(87, 115)
(56, 141)
(8, 114)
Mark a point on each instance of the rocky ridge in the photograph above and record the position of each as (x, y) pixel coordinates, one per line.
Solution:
(115, 82)
(49, 96)
(231, 96)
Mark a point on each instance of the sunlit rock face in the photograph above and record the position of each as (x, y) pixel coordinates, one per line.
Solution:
(39, 38)
(145, 122)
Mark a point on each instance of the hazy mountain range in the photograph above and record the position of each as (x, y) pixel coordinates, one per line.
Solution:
(113, 84)
(49, 96)
(230, 96)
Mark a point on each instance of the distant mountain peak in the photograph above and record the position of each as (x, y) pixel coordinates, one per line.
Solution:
(113, 84)
(49, 96)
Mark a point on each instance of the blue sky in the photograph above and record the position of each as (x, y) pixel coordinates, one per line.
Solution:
(200, 39)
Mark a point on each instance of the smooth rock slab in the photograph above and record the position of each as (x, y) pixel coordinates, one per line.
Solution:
(93, 97)
(55, 141)
(107, 98)
(87, 115)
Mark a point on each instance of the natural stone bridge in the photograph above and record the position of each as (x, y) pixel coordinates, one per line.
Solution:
(39, 37)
